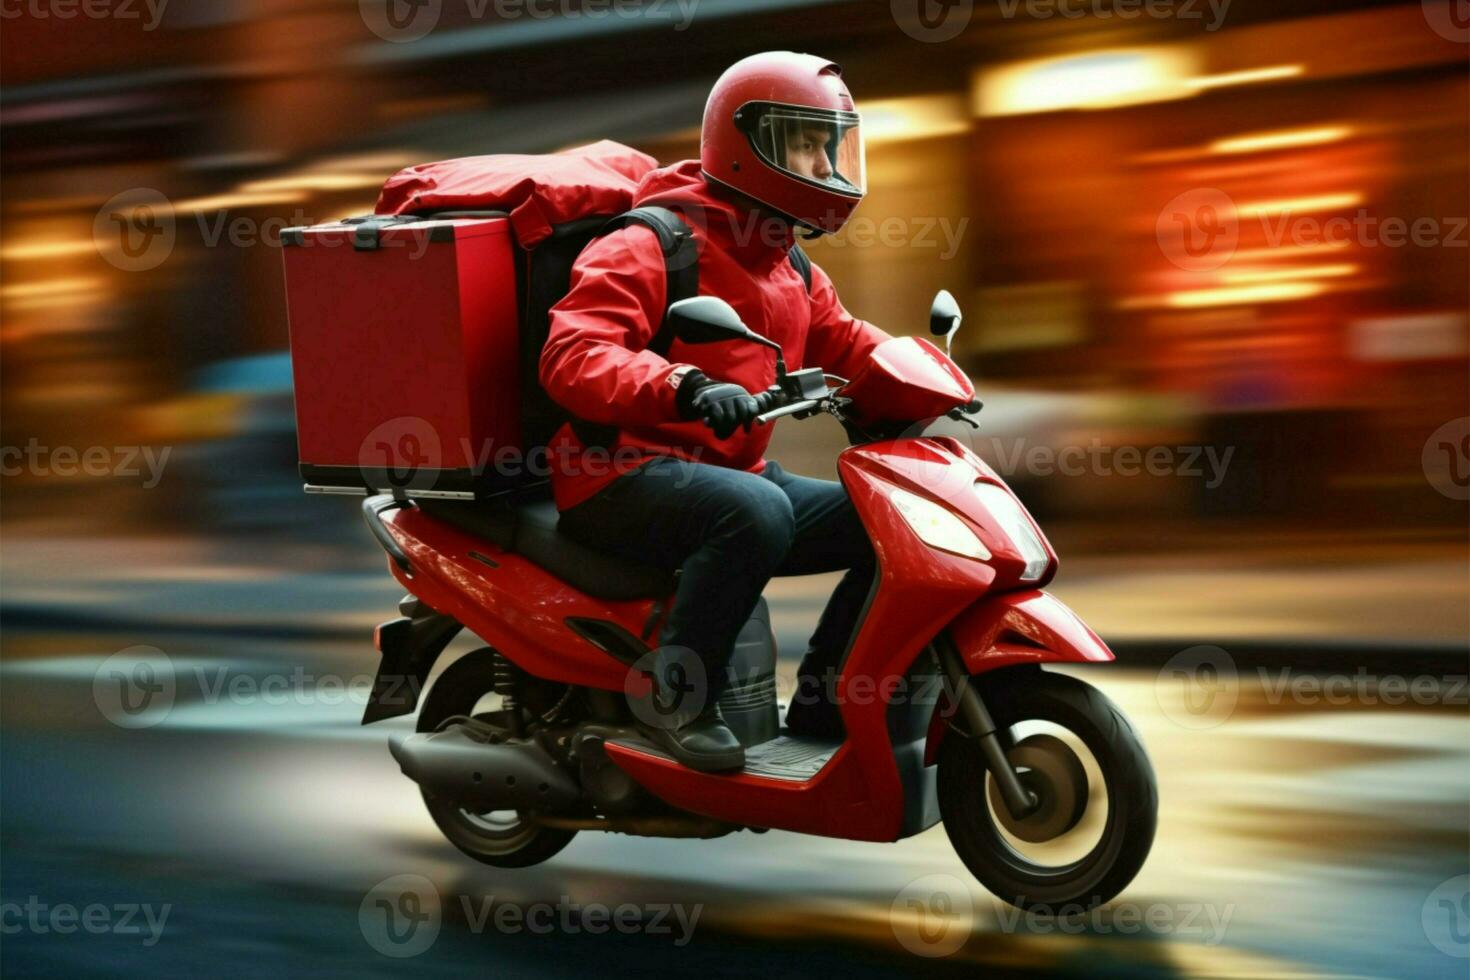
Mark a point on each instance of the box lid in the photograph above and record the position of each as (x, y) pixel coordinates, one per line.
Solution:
(373, 231)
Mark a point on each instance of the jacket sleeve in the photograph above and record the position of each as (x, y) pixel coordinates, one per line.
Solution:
(837, 341)
(595, 363)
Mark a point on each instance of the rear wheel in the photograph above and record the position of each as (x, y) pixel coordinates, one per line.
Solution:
(503, 838)
(1098, 809)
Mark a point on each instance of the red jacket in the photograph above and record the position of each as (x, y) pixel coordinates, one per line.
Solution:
(597, 366)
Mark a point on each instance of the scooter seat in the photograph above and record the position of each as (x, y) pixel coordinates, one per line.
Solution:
(593, 572)
(530, 530)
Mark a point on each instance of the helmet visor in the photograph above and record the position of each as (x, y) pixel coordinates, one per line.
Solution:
(818, 146)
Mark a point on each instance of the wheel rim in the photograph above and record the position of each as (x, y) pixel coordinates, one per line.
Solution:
(493, 832)
(1051, 771)
(1071, 827)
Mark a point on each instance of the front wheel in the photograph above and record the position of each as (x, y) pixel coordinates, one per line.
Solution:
(1098, 801)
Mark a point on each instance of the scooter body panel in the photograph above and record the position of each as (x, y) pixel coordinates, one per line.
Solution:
(859, 794)
(1030, 627)
(512, 603)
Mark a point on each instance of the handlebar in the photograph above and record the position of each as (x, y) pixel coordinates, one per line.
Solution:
(798, 393)
(768, 399)
(794, 408)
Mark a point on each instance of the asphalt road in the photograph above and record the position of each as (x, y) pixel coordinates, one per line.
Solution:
(1307, 829)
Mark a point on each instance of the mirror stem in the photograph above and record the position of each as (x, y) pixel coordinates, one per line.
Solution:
(780, 360)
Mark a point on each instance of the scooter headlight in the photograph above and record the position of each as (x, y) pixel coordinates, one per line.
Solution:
(1016, 524)
(936, 526)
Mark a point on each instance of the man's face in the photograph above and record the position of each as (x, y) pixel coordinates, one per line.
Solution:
(806, 151)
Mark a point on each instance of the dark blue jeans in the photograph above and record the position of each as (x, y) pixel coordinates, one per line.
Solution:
(729, 532)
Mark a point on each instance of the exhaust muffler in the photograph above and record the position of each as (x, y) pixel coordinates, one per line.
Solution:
(461, 766)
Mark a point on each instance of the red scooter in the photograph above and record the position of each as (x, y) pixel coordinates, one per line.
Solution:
(1042, 784)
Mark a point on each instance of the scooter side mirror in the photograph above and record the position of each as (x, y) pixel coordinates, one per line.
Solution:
(944, 315)
(706, 320)
(709, 320)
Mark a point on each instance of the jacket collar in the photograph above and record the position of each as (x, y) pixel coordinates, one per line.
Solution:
(755, 240)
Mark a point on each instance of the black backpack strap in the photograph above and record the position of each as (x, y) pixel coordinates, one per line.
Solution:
(802, 264)
(681, 260)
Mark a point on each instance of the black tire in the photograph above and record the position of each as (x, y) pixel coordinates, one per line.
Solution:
(519, 844)
(1132, 796)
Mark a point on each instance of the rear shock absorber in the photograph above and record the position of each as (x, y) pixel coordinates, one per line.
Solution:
(507, 681)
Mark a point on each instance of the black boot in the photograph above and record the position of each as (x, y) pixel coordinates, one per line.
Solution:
(812, 713)
(705, 744)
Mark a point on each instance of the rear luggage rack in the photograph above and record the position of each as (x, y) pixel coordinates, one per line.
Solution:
(373, 510)
(364, 491)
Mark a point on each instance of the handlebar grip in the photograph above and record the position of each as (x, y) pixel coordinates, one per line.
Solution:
(766, 400)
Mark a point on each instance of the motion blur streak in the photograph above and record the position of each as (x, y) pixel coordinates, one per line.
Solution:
(1170, 234)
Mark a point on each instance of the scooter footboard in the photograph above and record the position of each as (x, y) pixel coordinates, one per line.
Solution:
(1031, 627)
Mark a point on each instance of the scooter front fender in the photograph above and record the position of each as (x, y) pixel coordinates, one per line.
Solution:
(1031, 627)
(1015, 629)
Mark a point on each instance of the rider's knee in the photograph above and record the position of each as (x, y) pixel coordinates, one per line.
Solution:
(767, 523)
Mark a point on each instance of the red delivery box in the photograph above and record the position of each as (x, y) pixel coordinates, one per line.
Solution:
(405, 354)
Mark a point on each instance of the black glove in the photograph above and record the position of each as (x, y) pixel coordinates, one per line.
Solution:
(724, 407)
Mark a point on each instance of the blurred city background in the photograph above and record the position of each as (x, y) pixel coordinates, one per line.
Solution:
(1215, 266)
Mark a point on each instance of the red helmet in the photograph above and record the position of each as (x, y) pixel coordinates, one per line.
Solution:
(780, 127)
